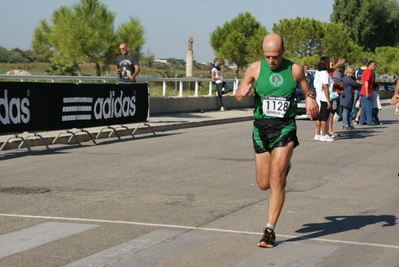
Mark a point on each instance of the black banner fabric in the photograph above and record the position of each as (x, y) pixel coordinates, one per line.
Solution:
(30, 107)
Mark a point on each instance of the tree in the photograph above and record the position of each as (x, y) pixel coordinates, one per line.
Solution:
(387, 59)
(41, 46)
(305, 40)
(83, 32)
(132, 33)
(312, 39)
(370, 23)
(239, 41)
(337, 43)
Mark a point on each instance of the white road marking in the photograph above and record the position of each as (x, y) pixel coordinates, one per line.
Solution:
(162, 250)
(118, 253)
(194, 228)
(38, 235)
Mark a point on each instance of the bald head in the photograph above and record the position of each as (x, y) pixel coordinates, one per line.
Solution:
(273, 40)
(273, 49)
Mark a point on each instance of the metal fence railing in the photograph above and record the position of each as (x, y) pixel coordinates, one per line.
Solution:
(178, 82)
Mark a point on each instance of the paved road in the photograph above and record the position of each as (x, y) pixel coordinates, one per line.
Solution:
(187, 198)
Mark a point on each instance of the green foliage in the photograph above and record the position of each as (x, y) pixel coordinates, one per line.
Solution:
(337, 43)
(147, 61)
(239, 41)
(85, 32)
(61, 69)
(312, 39)
(13, 56)
(40, 42)
(387, 59)
(305, 40)
(132, 33)
(370, 23)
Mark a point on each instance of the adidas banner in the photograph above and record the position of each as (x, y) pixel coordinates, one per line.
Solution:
(31, 106)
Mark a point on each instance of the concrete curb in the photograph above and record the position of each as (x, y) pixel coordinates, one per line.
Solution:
(97, 133)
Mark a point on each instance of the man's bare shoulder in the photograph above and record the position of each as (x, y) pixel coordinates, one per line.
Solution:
(253, 69)
(297, 71)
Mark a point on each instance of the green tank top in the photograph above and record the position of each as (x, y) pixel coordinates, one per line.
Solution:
(275, 84)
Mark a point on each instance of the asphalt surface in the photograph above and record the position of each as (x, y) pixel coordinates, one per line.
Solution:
(187, 196)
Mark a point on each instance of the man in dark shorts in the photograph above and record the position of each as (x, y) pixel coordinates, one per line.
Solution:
(274, 80)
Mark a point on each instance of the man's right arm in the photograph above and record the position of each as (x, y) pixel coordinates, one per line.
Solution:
(246, 83)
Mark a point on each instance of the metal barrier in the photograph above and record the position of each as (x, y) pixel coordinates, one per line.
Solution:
(103, 79)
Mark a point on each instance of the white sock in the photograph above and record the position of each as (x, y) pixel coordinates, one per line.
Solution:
(270, 226)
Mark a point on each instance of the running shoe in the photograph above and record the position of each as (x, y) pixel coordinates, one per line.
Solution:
(268, 238)
(317, 137)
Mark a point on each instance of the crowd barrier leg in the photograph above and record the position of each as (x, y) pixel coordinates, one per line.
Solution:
(68, 132)
(146, 124)
(84, 131)
(128, 130)
(36, 135)
(23, 141)
(110, 134)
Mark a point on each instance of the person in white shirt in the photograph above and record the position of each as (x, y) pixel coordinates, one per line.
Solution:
(323, 84)
(221, 86)
(376, 104)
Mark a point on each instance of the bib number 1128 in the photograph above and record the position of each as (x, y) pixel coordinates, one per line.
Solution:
(275, 106)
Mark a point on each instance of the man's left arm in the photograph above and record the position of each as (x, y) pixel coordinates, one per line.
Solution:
(312, 109)
(395, 97)
(136, 72)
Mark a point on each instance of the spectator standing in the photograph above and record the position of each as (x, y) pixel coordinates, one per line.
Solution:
(334, 104)
(127, 66)
(365, 94)
(323, 86)
(356, 93)
(275, 80)
(347, 98)
(376, 104)
(337, 76)
(221, 86)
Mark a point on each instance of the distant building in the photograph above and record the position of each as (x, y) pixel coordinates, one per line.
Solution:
(161, 60)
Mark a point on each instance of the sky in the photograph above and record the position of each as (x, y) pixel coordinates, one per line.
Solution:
(168, 23)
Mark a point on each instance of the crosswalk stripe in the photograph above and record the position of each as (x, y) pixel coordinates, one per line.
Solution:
(163, 250)
(38, 235)
(290, 254)
(124, 250)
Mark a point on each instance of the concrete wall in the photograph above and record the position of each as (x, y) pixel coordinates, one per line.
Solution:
(161, 105)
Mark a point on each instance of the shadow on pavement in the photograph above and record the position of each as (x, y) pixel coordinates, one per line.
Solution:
(339, 224)
(63, 148)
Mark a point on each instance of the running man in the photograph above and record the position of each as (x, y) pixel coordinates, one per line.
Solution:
(274, 80)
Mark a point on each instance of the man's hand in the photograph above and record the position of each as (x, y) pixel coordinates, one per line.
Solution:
(395, 99)
(242, 91)
(312, 110)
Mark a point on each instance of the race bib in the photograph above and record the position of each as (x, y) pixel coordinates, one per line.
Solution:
(275, 106)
